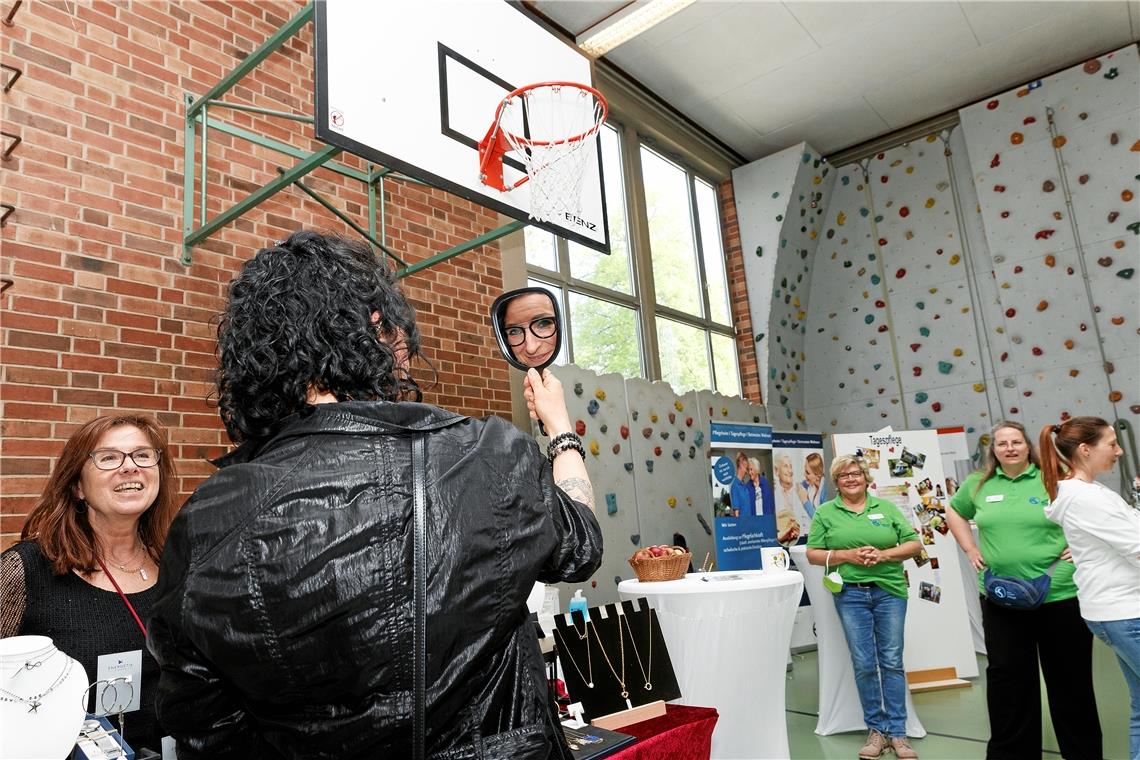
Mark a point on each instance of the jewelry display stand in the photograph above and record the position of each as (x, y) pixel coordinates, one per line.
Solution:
(615, 663)
(41, 708)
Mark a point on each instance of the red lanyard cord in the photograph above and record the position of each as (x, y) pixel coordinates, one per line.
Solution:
(123, 596)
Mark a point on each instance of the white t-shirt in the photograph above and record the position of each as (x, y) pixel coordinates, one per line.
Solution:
(1103, 532)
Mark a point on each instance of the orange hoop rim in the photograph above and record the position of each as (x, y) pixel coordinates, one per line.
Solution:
(522, 91)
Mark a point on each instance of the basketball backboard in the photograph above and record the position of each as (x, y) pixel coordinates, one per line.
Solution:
(414, 86)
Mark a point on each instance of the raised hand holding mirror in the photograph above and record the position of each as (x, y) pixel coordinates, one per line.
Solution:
(528, 326)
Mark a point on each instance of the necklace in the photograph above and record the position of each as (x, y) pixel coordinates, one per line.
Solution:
(35, 702)
(141, 569)
(589, 659)
(31, 663)
(621, 643)
(581, 636)
(647, 676)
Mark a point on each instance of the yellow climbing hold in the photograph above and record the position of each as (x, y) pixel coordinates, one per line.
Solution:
(910, 170)
(958, 352)
(678, 406)
(813, 234)
(930, 203)
(600, 395)
(841, 219)
(1005, 286)
(594, 448)
(955, 259)
(653, 417)
(816, 179)
(672, 502)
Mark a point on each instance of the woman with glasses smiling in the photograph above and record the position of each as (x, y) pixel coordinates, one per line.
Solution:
(84, 571)
(867, 539)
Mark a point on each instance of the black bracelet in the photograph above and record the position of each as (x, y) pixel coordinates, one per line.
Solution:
(565, 442)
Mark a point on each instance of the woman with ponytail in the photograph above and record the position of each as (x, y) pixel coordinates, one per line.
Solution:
(1104, 534)
(1006, 499)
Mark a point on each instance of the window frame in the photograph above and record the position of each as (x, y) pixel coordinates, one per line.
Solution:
(643, 298)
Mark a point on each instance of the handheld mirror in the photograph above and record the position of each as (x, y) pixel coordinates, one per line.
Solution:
(528, 326)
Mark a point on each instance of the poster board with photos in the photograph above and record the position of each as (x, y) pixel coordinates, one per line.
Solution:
(907, 470)
(620, 639)
(745, 518)
(797, 497)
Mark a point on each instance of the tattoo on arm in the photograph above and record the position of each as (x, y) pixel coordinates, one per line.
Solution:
(578, 489)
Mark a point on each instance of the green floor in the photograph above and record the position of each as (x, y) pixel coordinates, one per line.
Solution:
(955, 720)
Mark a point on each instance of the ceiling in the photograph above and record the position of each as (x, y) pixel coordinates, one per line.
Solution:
(762, 76)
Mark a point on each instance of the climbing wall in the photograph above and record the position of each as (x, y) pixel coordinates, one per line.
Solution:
(1056, 162)
(780, 203)
(671, 471)
(597, 407)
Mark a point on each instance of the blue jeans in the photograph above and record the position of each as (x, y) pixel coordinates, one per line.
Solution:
(1124, 638)
(873, 622)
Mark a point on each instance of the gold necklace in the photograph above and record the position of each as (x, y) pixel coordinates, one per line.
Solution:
(621, 643)
(589, 659)
(647, 676)
(141, 569)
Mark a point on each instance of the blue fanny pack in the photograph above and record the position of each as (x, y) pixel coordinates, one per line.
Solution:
(1018, 593)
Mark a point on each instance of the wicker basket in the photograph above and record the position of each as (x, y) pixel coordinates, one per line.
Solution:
(668, 568)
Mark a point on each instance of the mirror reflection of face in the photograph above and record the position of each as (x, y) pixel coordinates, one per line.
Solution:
(531, 328)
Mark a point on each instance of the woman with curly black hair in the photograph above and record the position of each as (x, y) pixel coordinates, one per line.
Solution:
(307, 607)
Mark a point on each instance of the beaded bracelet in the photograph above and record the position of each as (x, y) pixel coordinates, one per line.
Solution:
(565, 442)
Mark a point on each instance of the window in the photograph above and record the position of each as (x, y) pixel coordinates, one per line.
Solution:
(681, 260)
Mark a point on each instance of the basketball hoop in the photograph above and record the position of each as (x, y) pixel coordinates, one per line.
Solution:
(550, 128)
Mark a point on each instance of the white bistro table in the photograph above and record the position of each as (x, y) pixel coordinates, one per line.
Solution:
(839, 708)
(728, 635)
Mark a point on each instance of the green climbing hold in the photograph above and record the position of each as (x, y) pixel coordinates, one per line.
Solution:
(920, 305)
(806, 157)
(1126, 273)
(760, 337)
(926, 422)
(924, 332)
(920, 397)
(875, 279)
(864, 212)
(1134, 228)
(878, 218)
(845, 180)
(869, 319)
(945, 367)
(759, 250)
(776, 194)
(779, 217)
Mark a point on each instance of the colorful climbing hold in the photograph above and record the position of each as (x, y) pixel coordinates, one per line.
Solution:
(929, 203)
(995, 162)
(1083, 179)
(1050, 260)
(577, 389)
(1048, 186)
(904, 212)
(646, 432)
(1005, 215)
(593, 406)
(1115, 396)
(1059, 141)
(936, 406)
(1117, 321)
(945, 367)
(1092, 67)
(1126, 195)
(1042, 305)
(594, 448)
(1126, 273)
(580, 428)
(955, 259)
(1043, 234)
(900, 273)
(958, 352)
(1010, 312)
(625, 431)
(1016, 138)
(1038, 351)
(920, 397)
(924, 332)
(999, 188)
(992, 104)
(1069, 344)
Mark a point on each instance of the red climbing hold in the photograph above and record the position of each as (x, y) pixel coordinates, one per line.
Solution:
(1043, 234)
(992, 105)
(999, 188)
(1010, 312)
(1037, 351)
(995, 162)
(901, 273)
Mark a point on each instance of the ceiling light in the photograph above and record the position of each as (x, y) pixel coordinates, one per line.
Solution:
(626, 24)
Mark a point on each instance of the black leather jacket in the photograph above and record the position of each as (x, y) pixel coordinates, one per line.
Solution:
(284, 620)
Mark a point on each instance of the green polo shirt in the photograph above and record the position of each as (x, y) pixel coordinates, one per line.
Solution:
(880, 525)
(1014, 535)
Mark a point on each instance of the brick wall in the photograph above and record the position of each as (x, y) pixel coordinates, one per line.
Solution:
(102, 314)
(750, 385)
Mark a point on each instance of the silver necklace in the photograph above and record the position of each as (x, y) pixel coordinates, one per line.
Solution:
(35, 702)
(31, 663)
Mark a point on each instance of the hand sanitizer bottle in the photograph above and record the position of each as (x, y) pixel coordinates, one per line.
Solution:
(578, 602)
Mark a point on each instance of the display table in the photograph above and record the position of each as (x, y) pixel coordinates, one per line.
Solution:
(839, 708)
(682, 731)
(729, 641)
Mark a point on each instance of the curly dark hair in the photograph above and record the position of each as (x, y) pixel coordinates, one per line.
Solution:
(300, 316)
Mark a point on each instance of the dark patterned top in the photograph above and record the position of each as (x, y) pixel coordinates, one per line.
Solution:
(84, 622)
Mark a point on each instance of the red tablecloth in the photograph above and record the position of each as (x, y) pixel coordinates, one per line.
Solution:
(683, 732)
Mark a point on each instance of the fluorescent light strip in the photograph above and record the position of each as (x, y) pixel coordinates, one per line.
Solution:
(626, 24)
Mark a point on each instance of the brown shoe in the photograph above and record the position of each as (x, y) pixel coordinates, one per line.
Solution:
(902, 748)
(874, 746)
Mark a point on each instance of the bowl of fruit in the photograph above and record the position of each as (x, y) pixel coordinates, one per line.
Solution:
(660, 563)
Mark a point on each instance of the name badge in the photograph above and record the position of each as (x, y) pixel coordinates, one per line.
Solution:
(995, 497)
(875, 517)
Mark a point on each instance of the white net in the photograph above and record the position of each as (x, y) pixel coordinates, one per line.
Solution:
(552, 129)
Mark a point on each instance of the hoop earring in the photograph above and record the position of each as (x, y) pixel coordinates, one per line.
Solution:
(81, 507)
(114, 682)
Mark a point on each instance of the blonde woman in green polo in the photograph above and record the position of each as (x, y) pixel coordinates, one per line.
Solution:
(1007, 500)
(867, 539)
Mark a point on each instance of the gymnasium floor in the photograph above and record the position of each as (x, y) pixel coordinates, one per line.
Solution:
(955, 720)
